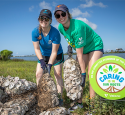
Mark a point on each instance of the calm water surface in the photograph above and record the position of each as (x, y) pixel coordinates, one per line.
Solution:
(34, 58)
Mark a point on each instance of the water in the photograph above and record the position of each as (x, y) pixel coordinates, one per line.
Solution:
(34, 58)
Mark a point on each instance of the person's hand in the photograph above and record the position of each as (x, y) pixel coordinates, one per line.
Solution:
(1, 88)
(83, 80)
(49, 67)
(69, 50)
(43, 64)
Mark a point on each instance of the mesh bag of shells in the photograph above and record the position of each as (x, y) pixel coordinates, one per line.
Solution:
(72, 79)
(47, 93)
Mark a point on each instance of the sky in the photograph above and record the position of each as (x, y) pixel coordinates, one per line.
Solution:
(19, 17)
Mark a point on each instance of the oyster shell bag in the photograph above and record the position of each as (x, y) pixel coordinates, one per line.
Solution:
(72, 78)
(47, 92)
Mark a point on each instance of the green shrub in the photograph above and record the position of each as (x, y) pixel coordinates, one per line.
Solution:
(6, 54)
(101, 106)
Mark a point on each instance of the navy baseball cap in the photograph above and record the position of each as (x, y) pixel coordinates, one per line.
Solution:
(61, 7)
(46, 12)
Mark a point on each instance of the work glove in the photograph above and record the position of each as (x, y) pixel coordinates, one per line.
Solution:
(49, 68)
(43, 64)
(83, 80)
(1, 88)
(69, 50)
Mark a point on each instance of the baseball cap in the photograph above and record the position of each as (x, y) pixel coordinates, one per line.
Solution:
(61, 7)
(46, 12)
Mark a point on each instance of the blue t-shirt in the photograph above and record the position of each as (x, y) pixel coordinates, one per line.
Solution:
(46, 42)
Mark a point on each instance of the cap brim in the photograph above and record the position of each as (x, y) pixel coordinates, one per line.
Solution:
(46, 16)
(59, 9)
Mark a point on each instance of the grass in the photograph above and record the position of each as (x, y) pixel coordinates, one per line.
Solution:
(22, 69)
(27, 70)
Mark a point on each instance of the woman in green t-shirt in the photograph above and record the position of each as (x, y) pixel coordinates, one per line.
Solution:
(83, 39)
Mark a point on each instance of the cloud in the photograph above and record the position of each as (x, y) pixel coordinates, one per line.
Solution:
(54, 4)
(90, 3)
(45, 5)
(31, 8)
(76, 12)
(92, 25)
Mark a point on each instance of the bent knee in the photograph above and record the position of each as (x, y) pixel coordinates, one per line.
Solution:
(58, 73)
(38, 75)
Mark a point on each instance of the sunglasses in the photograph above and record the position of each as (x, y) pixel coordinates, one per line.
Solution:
(57, 16)
(46, 19)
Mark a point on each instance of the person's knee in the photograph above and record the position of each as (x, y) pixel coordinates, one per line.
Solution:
(38, 75)
(58, 75)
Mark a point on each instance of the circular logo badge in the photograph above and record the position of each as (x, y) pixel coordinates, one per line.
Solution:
(107, 77)
(49, 42)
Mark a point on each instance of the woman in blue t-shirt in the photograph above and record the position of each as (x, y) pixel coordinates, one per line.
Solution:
(46, 40)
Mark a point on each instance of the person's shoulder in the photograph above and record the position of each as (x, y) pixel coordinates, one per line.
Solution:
(60, 27)
(35, 32)
(78, 24)
(35, 29)
(55, 30)
(78, 21)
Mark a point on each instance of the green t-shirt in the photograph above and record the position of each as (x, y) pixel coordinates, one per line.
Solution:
(79, 34)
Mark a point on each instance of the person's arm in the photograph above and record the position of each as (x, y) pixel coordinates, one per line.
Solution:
(35, 35)
(39, 55)
(53, 55)
(55, 46)
(79, 52)
(37, 50)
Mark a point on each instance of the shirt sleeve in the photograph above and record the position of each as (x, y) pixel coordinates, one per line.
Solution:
(35, 35)
(60, 29)
(80, 38)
